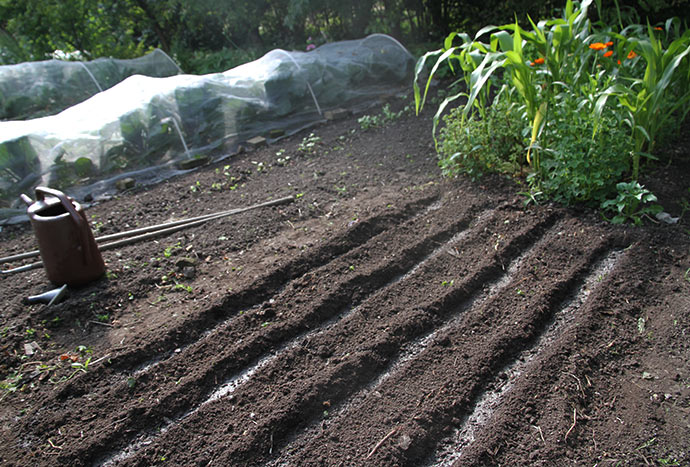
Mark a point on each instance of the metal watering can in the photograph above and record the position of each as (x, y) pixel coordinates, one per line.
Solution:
(68, 250)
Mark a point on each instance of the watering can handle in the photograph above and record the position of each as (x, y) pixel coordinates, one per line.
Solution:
(41, 191)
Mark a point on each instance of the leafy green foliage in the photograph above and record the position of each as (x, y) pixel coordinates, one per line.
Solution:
(574, 167)
(631, 204)
(215, 61)
(478, 146)
(367, 122)
(561, 74)
(36, 28)
(309, 144)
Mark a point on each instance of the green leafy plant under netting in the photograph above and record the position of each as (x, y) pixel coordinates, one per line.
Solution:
(586, 101)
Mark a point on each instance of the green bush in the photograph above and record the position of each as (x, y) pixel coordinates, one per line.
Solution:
(202, 62)
(577, 167)
(478, 146)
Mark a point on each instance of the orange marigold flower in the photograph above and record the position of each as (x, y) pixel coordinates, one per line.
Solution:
(632, 55)
(597, 46)
(609, 44)
(658, 28)
(609, 53)
(539, 61)
(619, 62)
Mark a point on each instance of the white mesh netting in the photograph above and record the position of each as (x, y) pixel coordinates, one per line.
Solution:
(142, 126)
(36, 89)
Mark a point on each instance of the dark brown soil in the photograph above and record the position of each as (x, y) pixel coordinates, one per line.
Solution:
(387, 316)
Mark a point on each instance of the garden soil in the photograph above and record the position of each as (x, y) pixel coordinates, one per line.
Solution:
(384, 315)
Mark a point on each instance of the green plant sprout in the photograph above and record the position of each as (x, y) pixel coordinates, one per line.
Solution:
(367, 122)
(309, 144)
(630, 204)
(169, 250)
(186, 288)
(196, 187)
(11, 384)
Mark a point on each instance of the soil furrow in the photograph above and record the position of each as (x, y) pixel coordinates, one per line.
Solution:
(261, 289)
(268, 284)
(487, 339)
(563, 367)
(220, 361)
(377, 332)
(366, 323)
(408, 352)
(451, 449)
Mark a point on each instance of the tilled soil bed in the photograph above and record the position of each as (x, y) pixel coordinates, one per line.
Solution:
(385, 316)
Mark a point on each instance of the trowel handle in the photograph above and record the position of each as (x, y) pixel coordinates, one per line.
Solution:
(41, 191)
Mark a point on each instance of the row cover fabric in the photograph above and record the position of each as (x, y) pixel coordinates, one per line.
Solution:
(143, 126)
(36, 89)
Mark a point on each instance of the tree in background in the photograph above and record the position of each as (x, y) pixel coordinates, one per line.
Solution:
(208, 35)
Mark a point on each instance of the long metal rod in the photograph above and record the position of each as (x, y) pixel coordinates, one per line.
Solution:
(145, 233)
(152, 228)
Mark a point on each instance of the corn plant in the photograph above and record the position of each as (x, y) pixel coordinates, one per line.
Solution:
(553, 43)
(593, 97)
(654, 100)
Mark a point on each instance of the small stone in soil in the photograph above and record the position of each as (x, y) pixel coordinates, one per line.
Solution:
(125, 184)
(256, 142)
(185, 262)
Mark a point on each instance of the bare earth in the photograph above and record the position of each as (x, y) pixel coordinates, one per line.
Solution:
(387, 316)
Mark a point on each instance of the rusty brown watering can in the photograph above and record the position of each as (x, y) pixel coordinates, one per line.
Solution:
(68, 250)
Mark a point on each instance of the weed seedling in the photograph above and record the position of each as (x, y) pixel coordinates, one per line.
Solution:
(186, 288)
(169, 250)
(11, 384)
(260, 166)
(84, 350)
(386, 116)
(630, 203)
(308, 144)
(96, 226)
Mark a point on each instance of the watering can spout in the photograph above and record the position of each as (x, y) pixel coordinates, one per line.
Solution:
(68, 250)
